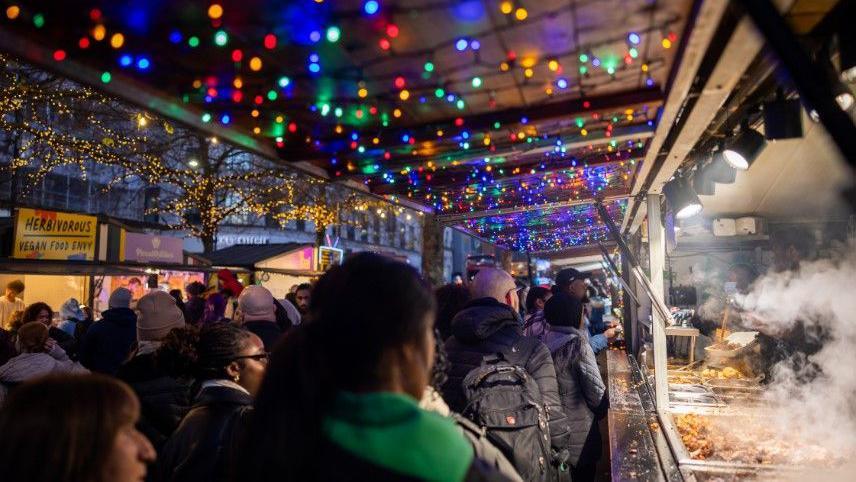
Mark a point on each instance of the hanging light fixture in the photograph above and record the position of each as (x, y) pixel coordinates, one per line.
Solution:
(681, 198)
(743, 149)
(719, 171)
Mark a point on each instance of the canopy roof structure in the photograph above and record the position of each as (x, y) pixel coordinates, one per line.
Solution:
(504, 118)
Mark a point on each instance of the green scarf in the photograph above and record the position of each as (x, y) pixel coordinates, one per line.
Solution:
(390, 430)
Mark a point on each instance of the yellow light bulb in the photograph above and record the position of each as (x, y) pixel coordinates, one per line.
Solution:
(375, 141)
(257, 130)
(238, 83)
(644, 67)
(667, 44)
(404, 94)
(255, 64)
(338, 129)
(553, 65)
(528, 73)
(396, 113)
(13, 12)
(254, 113)
(99, 32)
(362, 93)
(504, 66)
(521, 14)
(584, 132)
(506, 7)
(117, 40)
(440, 133)
(197, 84)
(487, 141)
(279, 119)
(215, 11)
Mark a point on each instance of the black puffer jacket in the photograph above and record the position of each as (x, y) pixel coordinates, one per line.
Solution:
(164, 400)
(485, 327)
(203, 446)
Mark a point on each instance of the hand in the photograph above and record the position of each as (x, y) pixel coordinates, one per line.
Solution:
(50, 343)
(610, 333)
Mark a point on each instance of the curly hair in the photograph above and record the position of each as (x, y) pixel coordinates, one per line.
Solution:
(202, 353)
(31, 313)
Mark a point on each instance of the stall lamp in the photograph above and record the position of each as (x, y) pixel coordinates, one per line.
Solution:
(681, 198)
(742, 151)
(719, 171)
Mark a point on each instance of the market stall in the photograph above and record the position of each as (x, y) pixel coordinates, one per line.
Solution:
(739, 253)
(278, 267)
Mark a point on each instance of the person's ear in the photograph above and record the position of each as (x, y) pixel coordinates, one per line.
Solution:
(233, 370)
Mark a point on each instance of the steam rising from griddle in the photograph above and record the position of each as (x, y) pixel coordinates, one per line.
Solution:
(818, 406)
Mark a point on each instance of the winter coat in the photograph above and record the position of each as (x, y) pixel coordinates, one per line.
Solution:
(485, 327)
(27, 366)
(164, 400)
(268, 331)
(203, 446)
(581, 388)
(214, 309)
(108, 342)
(7, 346)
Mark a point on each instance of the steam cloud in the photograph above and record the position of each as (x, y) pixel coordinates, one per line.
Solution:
(818, 409)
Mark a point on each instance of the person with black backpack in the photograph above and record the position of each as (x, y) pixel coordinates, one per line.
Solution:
(504, 381)
(582, 390)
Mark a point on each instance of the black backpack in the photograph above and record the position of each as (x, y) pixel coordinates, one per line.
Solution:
(506, 401)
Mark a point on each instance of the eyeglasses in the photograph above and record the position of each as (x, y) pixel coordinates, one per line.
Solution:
(259, 357)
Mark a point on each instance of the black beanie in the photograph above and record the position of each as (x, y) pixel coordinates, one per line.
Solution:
(563, 310)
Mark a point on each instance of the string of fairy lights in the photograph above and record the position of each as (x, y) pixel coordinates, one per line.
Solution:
(358, 118)
(256, 90)
(549, 229)
(60, 123)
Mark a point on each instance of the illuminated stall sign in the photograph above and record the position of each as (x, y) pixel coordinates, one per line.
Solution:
(329, 257)
(41, 234)
(148, 248)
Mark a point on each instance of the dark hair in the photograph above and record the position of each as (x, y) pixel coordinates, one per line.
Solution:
(63, 428)
(563, 310)
(361, 310)
(303, 286)
(203, 354)
(450, 300)
(195, 288)
(535, 293)
(16, 285)
(135, 280)
(32, 311)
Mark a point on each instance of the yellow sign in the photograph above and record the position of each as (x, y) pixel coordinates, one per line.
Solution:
(329, 257)
(54, 235)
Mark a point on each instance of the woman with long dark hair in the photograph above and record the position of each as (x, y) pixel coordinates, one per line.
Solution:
(228, 363)
(77, 428)
(339, 401)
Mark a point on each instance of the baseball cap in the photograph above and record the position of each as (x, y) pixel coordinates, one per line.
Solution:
(568, 275)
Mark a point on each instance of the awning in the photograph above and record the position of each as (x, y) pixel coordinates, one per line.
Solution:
(67, 268)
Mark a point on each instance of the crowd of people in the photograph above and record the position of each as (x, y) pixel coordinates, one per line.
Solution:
(368, 374)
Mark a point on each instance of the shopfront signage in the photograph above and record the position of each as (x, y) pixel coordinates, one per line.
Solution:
(149, 248)
(329, 257)
(43, 234)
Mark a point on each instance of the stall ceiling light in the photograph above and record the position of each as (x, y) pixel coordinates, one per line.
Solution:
(681, 198)
(742, 151)
(719, 171)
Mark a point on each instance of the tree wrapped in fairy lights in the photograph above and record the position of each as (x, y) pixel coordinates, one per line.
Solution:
(48, 123)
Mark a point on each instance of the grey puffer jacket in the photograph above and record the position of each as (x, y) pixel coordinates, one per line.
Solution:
(485, 327)
(580, 386)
